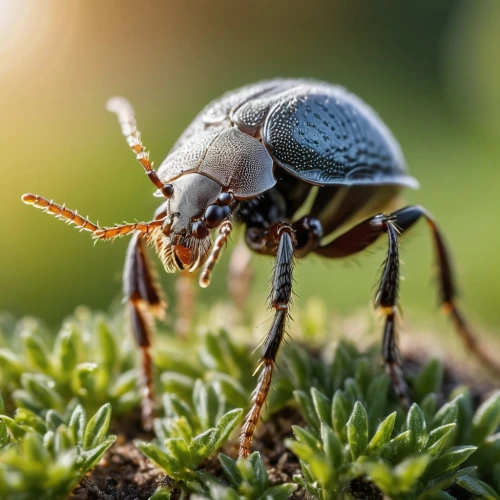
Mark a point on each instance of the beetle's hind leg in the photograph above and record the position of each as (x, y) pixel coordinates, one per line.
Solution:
(280, 300)
(145, 302)
(367, 232)
(404, 219)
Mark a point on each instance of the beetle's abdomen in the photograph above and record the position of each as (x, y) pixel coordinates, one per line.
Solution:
(325, 135)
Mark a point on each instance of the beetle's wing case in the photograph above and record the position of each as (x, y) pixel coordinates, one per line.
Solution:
(213, 146)
(218, 112)
(327, 136)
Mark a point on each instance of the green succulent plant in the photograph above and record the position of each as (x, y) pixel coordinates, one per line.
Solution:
(47, 458)
(89, 361)
(188, 435)
(353, 439)
(432, 451)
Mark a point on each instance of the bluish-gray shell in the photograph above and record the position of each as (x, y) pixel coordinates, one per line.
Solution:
(317, 132)
(326, 135)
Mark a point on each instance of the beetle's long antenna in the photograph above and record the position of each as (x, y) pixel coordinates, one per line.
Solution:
(126, 118)
(224, 231)
(72, 217)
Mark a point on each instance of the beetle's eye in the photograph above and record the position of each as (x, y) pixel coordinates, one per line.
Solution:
(214, 215)
(225, 198)
(167, 190)
(199, 229)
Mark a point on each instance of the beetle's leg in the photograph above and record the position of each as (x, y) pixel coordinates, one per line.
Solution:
(240, 274)
(72, 217)
(404, 219)
(280, 300)
(145, 300)
(367, 232)
(126, 118)
(186, 294)
(386, 302)
(224, 231)
(308, 233)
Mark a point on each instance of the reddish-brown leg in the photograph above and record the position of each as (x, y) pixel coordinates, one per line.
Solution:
(145, 302)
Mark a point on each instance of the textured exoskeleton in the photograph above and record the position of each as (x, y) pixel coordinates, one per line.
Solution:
(257, 156)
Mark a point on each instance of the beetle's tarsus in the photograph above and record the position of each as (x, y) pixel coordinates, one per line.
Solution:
(258, 400)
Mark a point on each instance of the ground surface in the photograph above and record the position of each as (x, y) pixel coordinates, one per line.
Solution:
(126, 474)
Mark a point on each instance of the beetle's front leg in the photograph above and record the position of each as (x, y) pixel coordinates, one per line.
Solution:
(144, 300)
(280, 300)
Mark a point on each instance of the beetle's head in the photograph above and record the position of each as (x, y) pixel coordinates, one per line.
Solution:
(196, 205)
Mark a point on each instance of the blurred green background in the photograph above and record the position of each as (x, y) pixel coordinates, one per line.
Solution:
(431, 69)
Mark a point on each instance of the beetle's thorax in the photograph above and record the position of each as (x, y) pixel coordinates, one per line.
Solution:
(184, 241)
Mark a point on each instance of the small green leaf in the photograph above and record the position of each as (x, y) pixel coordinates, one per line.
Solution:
(340, 414)
(357, 430)
(308, 410)
(201, 447)
(332, 446)
(15, 429)
(411, 469)
(376, 397)
(486, 419)
(306, 437)
(36, 352)
(230, 469)
(382, 436)
(107, 346)
(322, 405)
(438, 438)
(30, 419)
(77, 423)
(415, 423)
(226, 425)
(279, 492)
(429, 379)
(260, 473)
(97, 427)
(447, 414)
(179, 450)
(161, 493)
(66, 349)
(398, 447)
(477, 487)
(160, 457)
(91, 457)
(448, 461)
(4, 435)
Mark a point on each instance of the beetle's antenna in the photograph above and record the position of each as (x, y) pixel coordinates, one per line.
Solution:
(224, 231)
(72, 217)
(126, 118)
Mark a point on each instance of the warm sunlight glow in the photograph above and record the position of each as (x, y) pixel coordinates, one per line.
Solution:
(29, 27)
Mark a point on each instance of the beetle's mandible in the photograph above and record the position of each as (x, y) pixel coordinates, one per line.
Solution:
(253, 157)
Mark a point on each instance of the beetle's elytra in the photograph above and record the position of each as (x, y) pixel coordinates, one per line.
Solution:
(252, 157)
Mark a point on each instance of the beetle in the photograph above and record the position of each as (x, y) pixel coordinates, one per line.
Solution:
(255, 156)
